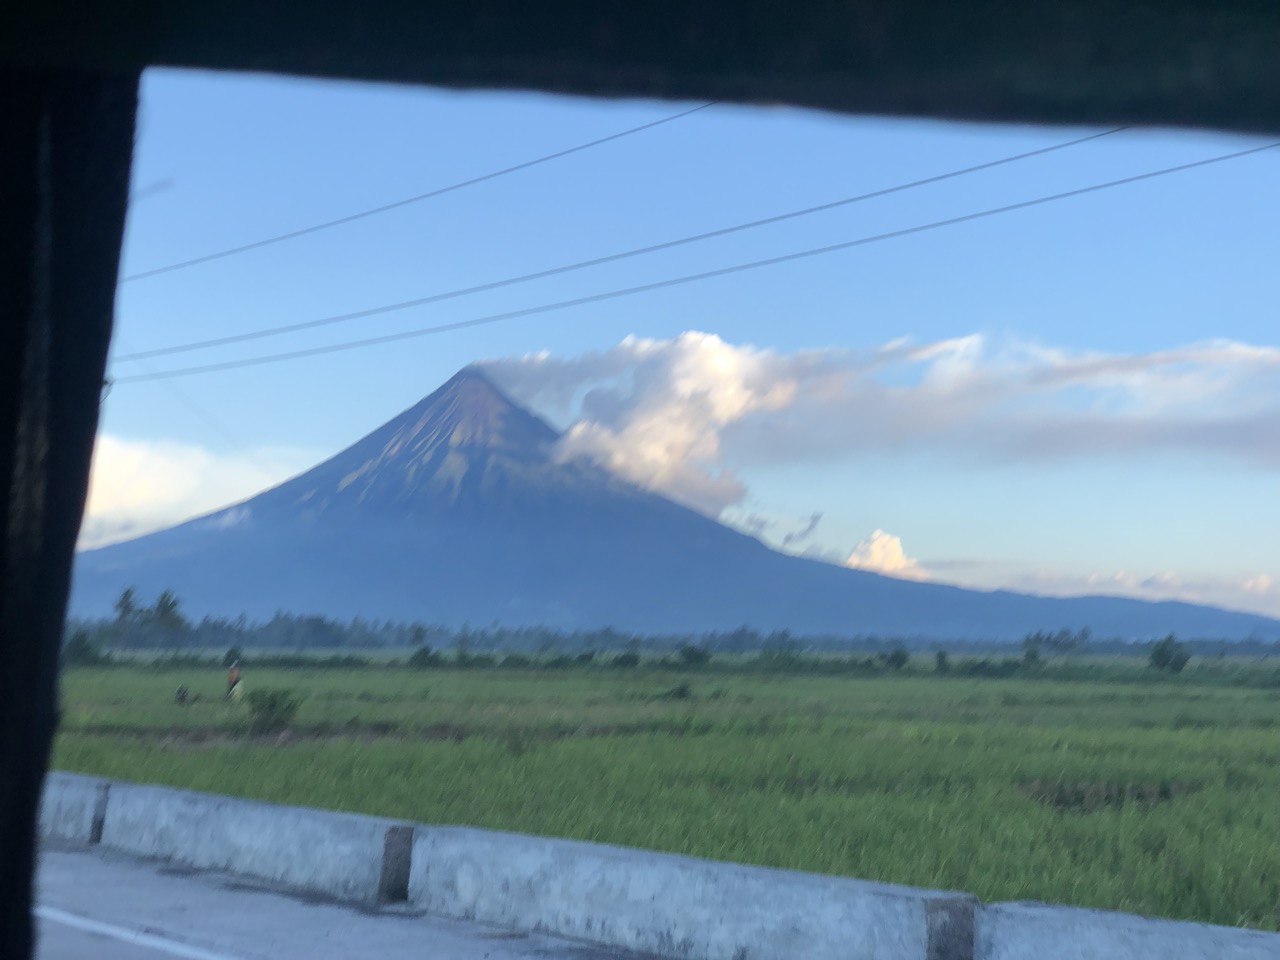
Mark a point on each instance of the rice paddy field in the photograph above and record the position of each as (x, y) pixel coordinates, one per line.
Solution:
(1108, 789)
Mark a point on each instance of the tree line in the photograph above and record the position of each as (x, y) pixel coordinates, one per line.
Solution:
(162, 625)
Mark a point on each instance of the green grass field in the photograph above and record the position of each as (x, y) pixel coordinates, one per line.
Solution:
(1156, 798)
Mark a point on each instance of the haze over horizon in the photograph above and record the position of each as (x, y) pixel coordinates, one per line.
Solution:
(1077, 399)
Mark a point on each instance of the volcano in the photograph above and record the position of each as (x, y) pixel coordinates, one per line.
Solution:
(460, 510)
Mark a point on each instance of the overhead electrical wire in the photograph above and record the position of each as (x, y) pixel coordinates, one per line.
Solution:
(374, 211)
(212, 421)
(693, 277)
(599, 261)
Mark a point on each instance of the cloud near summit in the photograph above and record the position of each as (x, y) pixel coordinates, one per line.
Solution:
(684, 415)
(655, 411)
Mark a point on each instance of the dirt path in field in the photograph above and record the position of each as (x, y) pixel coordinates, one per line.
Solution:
(517, 738)
(214, 736)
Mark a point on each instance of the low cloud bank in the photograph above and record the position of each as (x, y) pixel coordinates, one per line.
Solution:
(684, 415)
(138, 486)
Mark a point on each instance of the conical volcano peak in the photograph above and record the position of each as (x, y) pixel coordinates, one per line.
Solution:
(471, 411)
(445, 444)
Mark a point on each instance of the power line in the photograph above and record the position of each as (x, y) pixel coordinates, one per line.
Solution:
(213, 422)
(151, 190)
(374, 211)
(693, 277)
(598, 261)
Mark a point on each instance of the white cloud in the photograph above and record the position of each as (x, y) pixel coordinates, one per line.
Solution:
(137, 486)
(975, 400)
(882, 553)
(1262, 585)
(653, 411)
(1259, 593)
(232, 518)
(685, 415)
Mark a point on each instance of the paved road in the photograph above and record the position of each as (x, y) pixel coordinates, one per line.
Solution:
(94, 905)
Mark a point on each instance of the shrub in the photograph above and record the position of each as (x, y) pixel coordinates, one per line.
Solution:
(627, 660)
(985, 667)
(79, 651)
(692, 657)
(271, 711)
(941, 663)
(680, 691)
(897, 658)
(424, 657)
(1169, 654)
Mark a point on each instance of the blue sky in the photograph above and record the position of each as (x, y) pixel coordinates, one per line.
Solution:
(1078, 397)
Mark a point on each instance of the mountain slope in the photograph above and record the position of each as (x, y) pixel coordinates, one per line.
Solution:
(458, 510)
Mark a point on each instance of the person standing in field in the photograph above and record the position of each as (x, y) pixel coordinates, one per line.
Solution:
(233, 678)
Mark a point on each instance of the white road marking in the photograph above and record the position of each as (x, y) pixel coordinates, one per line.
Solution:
(139, 938)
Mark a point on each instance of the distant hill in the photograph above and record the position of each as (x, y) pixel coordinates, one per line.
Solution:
(459, 511)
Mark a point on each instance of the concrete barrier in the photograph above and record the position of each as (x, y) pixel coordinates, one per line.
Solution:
(677, 906)
(674, 906)
(72, 807)
(1018, 931)
(342, 855)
